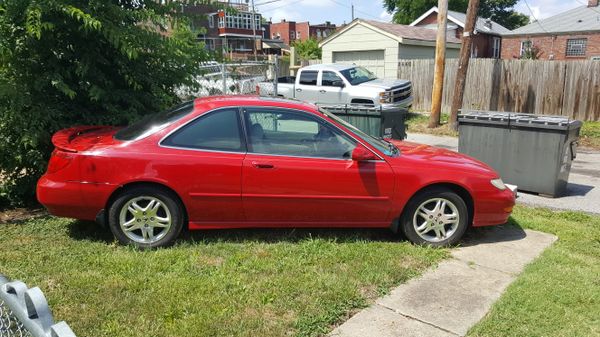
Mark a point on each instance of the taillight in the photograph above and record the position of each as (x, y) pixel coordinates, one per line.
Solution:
(59, 160)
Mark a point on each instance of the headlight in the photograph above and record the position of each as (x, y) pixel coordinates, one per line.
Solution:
(499, 184)
(385, 97)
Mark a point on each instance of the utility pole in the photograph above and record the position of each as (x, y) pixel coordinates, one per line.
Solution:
(254, 31)
(440, 65)
(463, 63)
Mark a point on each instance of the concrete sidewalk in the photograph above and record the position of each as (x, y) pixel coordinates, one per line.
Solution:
(450, 299)
(583, 190)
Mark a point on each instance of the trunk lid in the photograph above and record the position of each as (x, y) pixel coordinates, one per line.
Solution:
(81, 138)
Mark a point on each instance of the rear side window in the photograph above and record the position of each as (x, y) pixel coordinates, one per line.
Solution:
(218, 131)
(308, 77)
(154, 122)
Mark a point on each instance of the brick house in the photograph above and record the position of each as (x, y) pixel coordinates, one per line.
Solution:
(487, 42)
(290, 31)
(233, 29)
(572, 35)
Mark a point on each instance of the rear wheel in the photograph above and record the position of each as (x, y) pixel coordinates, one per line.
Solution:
(147, 217)
(436, 217)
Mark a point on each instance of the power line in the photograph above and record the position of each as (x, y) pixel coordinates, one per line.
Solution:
(533, 15)
(357, 10)
(278, 7)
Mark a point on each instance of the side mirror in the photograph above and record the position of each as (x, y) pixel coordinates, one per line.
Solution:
(339, 84)
(361, 153)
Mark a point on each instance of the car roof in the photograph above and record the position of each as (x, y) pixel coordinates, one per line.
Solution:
(213, 102)
(332, 66)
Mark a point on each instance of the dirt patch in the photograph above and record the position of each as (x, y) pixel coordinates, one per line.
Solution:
(21, 214)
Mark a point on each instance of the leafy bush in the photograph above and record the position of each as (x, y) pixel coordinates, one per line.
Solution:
(73, 62)
(308, 49)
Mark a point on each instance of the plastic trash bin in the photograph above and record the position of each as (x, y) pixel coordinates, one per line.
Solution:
(534, 152)
(375, 121)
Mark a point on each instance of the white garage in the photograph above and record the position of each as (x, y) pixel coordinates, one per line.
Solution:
(378, 46)
(370, 59)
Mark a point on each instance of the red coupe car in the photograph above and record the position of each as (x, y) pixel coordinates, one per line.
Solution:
(236, 162)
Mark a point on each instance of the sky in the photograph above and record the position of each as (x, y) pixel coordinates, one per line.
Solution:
(338, 11)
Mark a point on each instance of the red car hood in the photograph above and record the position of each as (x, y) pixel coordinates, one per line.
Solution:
(431, 154)
(81, 138)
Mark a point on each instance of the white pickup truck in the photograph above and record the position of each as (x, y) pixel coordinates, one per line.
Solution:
(344, 84)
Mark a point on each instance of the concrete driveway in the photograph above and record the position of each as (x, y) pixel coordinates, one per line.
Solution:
(583, 190)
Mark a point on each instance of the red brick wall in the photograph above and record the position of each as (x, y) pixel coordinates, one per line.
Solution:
(285, 28)
(551, 45)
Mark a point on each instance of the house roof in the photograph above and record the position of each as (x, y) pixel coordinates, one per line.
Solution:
(460, 18)
(402, 33)
(581, 19)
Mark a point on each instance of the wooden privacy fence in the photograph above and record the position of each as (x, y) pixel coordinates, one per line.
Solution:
(567, 88)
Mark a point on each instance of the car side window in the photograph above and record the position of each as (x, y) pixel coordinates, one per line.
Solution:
(330, 78)
(294, 133)
(218, 131)
(308, 77)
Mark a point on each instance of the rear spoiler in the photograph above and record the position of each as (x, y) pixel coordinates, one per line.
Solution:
(63, 138)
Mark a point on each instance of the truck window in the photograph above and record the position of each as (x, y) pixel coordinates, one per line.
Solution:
(329, 78)
(308, 77)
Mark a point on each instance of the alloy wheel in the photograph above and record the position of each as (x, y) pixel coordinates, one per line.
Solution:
(145, 219)
(436, 220)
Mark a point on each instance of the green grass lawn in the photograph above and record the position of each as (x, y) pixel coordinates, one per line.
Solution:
(216, 283)
(418, 122)
(284, 282)
(558, 295)
(590, 135)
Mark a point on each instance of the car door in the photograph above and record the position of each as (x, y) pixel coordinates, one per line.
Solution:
(306, 87)
(299, 172)
(332, 88)
(205, 156)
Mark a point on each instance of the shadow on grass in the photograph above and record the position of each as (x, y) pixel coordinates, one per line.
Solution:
(90, 231)
(512, 231)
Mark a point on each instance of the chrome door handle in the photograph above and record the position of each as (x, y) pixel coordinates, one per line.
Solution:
(298, 90)
(322, 91)
(262, 165)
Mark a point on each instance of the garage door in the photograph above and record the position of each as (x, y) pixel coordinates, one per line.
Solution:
(370, 59)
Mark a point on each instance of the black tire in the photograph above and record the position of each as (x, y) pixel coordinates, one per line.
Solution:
(407, 220)
(170, 208)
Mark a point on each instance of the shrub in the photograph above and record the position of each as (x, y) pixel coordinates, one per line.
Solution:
(74, 62)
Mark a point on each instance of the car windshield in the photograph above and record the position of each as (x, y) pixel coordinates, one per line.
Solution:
(154, 122)
(383, 146)
(358, 75)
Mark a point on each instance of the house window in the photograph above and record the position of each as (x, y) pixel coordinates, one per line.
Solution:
(525, 47)
(496, 48)
(298, 35)
(211, 21)
(318, 34)
(221, 22)
(293, 35)
(576, 47)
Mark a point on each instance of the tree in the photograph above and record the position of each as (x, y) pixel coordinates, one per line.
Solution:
(74, 62)
(501, 11)
(308, 49)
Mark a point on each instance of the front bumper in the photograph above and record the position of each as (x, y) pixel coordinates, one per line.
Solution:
(494, 208)
(405, 104)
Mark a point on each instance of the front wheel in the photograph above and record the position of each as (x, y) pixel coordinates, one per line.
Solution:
(146, 217)
(436, 217)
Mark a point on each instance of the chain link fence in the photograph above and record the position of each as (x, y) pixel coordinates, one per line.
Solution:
(234, 78)
(25, 312)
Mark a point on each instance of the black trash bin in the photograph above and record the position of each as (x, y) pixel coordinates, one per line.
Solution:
(534, 152)
(375, 121)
